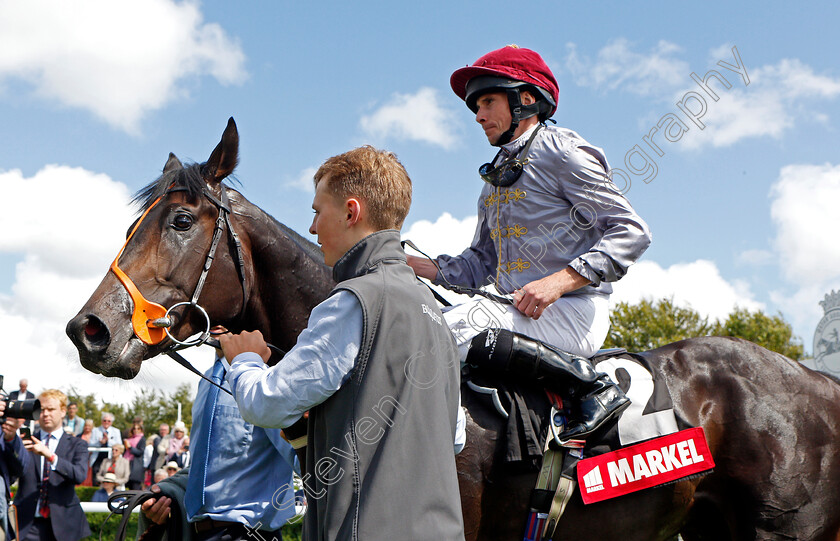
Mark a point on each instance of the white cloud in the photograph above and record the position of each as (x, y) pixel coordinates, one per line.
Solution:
(118, 60)
(304, 180)
(804, 209)
(757, 257)
(415, 117)
(801, 307)
(697, 285)
(71, 215)
(67, 224)
(446, 235)
(776, 98)
(618, 67)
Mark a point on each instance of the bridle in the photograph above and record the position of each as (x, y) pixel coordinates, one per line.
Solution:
(151, 321)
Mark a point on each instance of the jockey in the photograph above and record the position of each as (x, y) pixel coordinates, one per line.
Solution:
(553, 230)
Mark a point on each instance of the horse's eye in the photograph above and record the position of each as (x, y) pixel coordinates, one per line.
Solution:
(182, 222)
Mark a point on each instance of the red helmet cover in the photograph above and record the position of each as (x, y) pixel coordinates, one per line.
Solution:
(512, 62)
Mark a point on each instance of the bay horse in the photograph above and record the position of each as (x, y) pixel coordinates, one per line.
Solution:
(773, 426)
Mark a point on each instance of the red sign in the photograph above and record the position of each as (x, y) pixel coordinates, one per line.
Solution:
(644, 465)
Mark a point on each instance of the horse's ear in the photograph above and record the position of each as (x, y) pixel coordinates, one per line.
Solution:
(172, 164)
(225, 156)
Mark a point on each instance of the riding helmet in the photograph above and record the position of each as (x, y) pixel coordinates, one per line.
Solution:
(510, 69)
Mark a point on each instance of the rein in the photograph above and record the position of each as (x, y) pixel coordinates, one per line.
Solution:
(464, 290)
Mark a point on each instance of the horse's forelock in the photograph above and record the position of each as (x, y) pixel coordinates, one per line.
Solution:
(189, 177)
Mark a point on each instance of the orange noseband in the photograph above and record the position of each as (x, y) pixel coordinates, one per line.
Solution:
(144, 311)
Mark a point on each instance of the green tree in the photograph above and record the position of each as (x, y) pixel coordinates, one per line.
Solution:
(649, 325)
(771, 332)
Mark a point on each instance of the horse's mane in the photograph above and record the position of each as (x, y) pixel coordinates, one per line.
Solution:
(191, 178)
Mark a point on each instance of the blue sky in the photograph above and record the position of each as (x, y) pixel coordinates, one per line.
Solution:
(95, 94)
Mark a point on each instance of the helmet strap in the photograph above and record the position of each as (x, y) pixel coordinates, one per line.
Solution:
(518, 112)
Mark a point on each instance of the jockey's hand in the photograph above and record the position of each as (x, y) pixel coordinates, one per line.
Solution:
(234, 344)
(157, 510)
(533, 298)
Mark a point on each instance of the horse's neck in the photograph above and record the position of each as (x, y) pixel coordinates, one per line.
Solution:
(288, 280)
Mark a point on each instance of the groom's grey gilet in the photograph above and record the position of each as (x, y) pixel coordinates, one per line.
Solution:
(380, 459)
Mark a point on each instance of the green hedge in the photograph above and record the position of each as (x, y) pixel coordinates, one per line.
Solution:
(96, 521)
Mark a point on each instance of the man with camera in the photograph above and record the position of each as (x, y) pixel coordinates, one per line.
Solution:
(46, 501)
(13, 459)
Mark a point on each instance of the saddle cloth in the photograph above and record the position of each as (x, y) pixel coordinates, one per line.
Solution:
(650, 415)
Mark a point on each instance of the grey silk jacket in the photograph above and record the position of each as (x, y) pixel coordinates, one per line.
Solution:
(563, 211)
(379, 457)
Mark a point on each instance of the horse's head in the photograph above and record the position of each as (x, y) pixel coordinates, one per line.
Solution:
(162, 265)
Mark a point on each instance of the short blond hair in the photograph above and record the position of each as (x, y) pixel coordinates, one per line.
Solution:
(377, 178)
(57, 395)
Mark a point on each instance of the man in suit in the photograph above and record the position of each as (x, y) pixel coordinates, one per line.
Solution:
(48, 508)
(22, 393)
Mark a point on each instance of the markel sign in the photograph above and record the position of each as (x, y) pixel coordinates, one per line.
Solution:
(644, 465)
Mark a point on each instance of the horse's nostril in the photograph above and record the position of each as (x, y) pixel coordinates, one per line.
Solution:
(91, 329)
(95, 331)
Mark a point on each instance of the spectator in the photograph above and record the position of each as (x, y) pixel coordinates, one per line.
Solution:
(46, 501)
(117, 464)
(13, 459)
(179, 444)
(103, 436)
(87, 431)
(135, 446)
(22, 393)
(172, 468)
(73, 424)
(160, 475)
(147, 462)
(109, 484)
(159, 445)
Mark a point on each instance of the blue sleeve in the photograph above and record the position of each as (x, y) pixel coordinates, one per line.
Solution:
(284, 448)
(311, 372)
(15, 456)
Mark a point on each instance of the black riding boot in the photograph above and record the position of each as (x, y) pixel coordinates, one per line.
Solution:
(599, 399)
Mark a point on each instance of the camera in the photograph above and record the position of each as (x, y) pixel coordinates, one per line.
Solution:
(19, 409)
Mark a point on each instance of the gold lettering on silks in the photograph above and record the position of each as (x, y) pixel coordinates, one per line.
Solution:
(510, 266)
(515, 230)
(504, 197)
